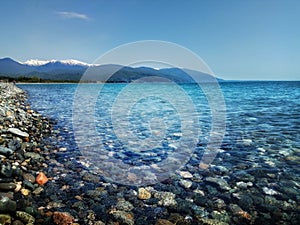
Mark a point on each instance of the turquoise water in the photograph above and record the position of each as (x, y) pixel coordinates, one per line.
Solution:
(261, 143)
(264, 114)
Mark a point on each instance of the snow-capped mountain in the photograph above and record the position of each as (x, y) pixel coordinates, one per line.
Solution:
(73, 70)
(43, 68)
(37, 62)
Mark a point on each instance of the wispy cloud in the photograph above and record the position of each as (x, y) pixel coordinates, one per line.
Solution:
(72, 15)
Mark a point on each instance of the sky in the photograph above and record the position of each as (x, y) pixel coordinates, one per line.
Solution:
(238, 39)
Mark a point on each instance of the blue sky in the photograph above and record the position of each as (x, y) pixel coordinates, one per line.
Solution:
(238, 39)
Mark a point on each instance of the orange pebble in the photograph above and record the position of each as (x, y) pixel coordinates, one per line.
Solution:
(41, 178)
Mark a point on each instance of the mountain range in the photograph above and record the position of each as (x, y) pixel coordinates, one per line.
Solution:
(73, 70)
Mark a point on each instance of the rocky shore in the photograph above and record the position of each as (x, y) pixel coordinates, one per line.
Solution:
(22, 164)
(43, 181)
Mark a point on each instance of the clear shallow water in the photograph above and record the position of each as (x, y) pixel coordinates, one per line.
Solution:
(261, 143)
(263, 115)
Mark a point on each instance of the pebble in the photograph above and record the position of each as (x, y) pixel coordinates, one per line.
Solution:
(244, 185)
(7, 205)
(62, 218)
(163, 222)
(7, 186)
(166, 198)
(29, 177)
(206, 221)
(5, 219)
(219, 182)
(25, 191)
(221, 216)
(17, 222)
(28, 185)
(18, 132)
(270, 191)
(6, 151)
(185, 174)
(41, 178)
(38, 191)
(25, 217)
(6, 170)
(18, 186)
(124, 205)
(32, 155)
(186, 183)
(125, 218)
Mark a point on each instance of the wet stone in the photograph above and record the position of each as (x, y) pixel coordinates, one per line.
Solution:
(28, 185)
(25, 191)
(6, 151)
(14, 144)
(7, 205)
(6, 170)
(7, 186)
(38, 191)
(25, 217)
(17, 222)
(29, 177)
(5, 219)
(32, 155)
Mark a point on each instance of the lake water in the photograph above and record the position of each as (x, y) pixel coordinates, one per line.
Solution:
(258, 158)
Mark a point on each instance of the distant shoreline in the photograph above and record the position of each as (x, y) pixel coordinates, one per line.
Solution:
(225, 81)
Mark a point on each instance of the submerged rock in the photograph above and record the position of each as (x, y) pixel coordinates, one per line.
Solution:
(62, 218)
(186, 183)
(25, 217)
(206, 221)
(125, 218)
(270, 191)
(163, 222)
(219, 182)
(143, 194)
(166, 198)
(124, 205)
(185, 174)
